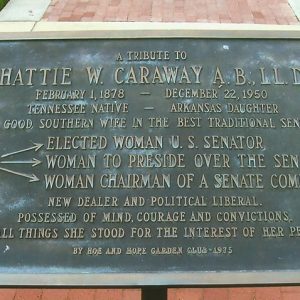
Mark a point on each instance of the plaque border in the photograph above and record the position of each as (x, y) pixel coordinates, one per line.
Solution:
(152, 279)
(18, 31)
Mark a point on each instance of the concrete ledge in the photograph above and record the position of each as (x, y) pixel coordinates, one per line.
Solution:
(108, 30)
(16, 27)
(152, 279)
(141, 26)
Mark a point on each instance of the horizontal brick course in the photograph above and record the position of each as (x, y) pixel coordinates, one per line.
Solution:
(69, 294)
(7, 294)
(50, 294)
(242, 293)
(28, 294)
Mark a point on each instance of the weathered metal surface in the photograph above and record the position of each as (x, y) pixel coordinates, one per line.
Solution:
(149, 161)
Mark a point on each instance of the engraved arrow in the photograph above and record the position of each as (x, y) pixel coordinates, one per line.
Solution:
(36, 147)
(32, 177)
(34, 162)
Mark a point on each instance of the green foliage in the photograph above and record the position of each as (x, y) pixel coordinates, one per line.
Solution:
(3, 3)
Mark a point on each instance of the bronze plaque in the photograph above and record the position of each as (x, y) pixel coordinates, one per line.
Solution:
(149, 161)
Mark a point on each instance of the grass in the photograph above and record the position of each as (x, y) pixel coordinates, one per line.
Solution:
(3, 3)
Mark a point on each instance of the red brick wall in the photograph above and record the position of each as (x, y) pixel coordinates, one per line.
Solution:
(253, 293)
(249, 293)
(70, 294)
